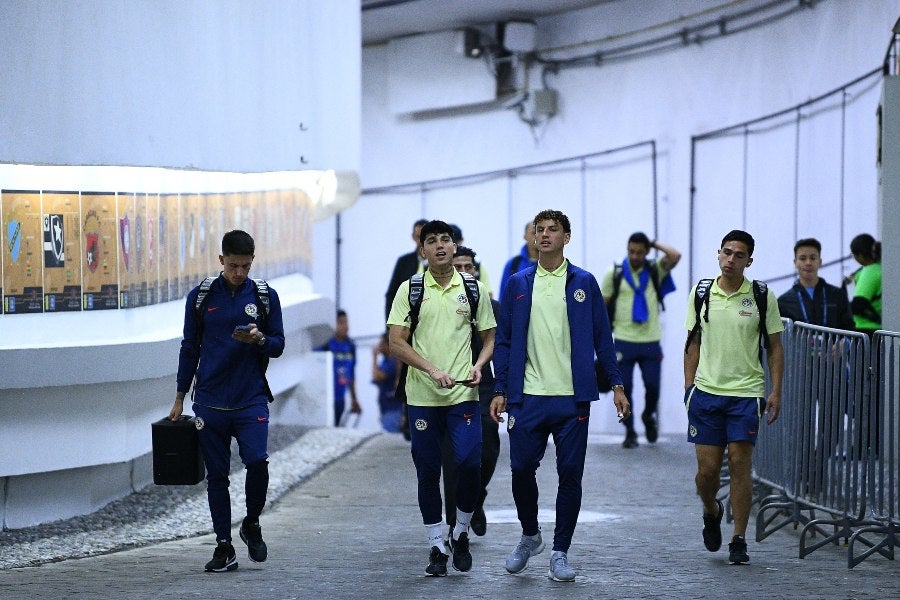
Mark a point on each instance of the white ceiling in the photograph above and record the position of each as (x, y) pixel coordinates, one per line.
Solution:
(386, 19)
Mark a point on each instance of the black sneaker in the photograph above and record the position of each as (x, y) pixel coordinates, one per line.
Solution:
(251, 533)
(437, 565)
(737, 551)
(712, 529)
(630, 440)
(650, 428)
(223, 558)
(479, 522)
(462, 558)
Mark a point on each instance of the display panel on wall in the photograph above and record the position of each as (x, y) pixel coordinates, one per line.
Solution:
(100, 288)
(22, 252)
(62, 251)
(102, 250)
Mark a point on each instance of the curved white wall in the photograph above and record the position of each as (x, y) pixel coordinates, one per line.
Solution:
(75, 427)
(208, 84)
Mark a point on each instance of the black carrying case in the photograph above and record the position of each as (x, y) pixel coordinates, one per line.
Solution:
(177, 459)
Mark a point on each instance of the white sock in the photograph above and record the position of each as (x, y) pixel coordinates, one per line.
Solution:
(435, 534)
(462, 523)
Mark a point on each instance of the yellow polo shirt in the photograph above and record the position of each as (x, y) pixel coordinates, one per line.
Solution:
(623, 327)
(548, 355)
(443, 336)
(729, 346)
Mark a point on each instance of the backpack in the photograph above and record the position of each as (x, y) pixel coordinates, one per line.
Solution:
(416, 291)
(262, 299)
(760, 296)
(618, 274)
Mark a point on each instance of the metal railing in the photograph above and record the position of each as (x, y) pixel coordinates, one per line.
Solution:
(830, 460)
(883, 477)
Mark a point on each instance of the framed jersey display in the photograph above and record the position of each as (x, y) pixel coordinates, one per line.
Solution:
(99, 232)
(61, 227)
(23, 250)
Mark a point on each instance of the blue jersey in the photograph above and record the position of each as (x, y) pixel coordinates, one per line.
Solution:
(387, 387)
(344, 365)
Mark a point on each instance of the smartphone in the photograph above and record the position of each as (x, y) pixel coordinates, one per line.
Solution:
(245, 328)
(464, 380)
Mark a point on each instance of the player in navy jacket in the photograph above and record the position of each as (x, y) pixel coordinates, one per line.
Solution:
(553, 323)
(227, 342)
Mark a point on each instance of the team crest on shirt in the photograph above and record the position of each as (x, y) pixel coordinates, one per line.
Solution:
(198, 423)
(579, 295)
(510, 423)
(462, 299)
(693, 431)
(251, 310)
(421, 424)
(747, 302)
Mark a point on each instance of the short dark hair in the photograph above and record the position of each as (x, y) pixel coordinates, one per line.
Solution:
(432, 227)
(238, 243)
(865, 245)
(811, 242)
(639, 237)
(456, 233)
(420, 223)
(736, 235)
(554, 215)
(465, 251)
(341, 313)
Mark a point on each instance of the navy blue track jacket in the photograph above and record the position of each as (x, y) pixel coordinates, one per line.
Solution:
(228, 371)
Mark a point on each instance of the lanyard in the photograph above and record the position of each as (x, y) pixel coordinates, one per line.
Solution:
(800, 296)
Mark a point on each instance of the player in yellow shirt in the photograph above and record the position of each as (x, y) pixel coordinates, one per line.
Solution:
(633, 291)
(725, 387)
(439, 354)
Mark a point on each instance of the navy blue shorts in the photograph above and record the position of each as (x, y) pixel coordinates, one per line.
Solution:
(715, 420)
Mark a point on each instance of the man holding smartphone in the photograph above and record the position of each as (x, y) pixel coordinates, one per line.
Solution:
(438, 350)
(232, 326)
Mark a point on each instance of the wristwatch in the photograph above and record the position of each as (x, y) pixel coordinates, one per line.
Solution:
(619, 386)
(261, 341)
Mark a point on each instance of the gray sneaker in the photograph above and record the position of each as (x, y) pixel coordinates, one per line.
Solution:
(559, 567)
(528, 547)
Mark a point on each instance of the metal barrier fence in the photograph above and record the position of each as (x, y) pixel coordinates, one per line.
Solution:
(883, 460)
(830, 460)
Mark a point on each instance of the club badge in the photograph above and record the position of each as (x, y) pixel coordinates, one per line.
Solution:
(54, 242)
(14, 239)
(421, 424)
(510, 423)
(462, 299)
(579, 295)
(693, 431)
(92, 240)
(251, 310)
(125, 239)
(198, 422)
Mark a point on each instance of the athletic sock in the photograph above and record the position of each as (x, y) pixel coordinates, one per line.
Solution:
(435, 534)
(462, 523)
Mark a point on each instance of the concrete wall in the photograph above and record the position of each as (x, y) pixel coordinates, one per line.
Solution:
(206, 84)
(666, 96)
(889, 196)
